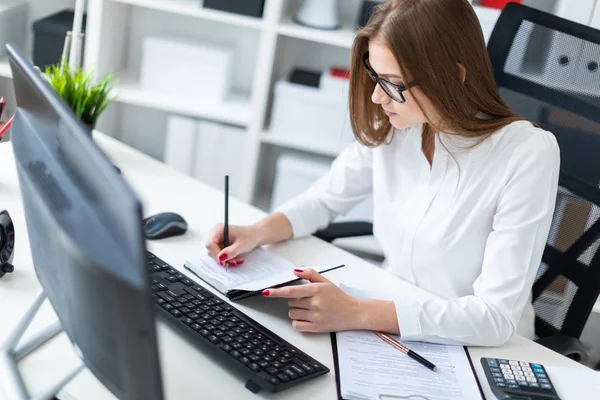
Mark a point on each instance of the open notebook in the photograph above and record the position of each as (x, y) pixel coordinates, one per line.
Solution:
(261, 270)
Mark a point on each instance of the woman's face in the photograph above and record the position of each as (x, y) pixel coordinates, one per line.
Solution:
(401, 115)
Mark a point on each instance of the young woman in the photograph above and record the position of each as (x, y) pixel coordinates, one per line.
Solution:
(463, 188)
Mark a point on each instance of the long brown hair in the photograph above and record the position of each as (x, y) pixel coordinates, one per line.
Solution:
(429, 39)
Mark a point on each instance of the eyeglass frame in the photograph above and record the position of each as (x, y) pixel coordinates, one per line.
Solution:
(378, 81)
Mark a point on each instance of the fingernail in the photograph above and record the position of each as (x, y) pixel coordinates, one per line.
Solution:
(240, 262)
(298, 270)
(223, 257)
(222, 264)
(232, 263)
(265, 292)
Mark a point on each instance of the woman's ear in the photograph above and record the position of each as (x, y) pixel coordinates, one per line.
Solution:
(462, 73)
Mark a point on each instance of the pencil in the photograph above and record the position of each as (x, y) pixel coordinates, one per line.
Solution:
(399, 346)
(226, 222)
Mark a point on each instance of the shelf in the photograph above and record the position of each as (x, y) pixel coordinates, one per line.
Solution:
(191, 8)
(342, 37)
(289, 144)
(5, 71)
(236, 110)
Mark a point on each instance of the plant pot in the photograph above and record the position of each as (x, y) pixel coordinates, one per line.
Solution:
(90, 128)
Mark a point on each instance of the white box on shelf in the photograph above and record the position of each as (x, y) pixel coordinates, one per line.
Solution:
(13, 23)
(294, 174)
(196, 69)
(219, 151)
(180, 143)
(304, 114)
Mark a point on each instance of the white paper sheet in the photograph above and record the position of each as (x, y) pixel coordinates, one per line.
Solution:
(574, 383)
(259, 267)
(369, 367)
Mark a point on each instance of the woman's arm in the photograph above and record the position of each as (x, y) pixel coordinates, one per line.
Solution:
(348, 182)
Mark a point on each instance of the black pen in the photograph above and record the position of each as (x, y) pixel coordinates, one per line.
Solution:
(396, 344)
(226, 225)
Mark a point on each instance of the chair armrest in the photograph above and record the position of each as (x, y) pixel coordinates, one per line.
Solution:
(568, 346)
(338, 230)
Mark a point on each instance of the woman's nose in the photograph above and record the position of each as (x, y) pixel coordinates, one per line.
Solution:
(379, 96)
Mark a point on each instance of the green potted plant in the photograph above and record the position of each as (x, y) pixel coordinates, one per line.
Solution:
(77, 88)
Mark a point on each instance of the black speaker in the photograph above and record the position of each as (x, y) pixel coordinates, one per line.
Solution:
(365, 12)
(7, 243)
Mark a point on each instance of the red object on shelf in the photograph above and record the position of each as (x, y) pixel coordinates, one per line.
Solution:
(498, 3)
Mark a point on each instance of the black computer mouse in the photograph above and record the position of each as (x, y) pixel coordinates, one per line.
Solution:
(164, 225)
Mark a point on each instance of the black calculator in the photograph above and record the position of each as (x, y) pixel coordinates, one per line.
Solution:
(510, 379)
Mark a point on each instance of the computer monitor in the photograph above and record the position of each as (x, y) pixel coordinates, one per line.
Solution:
(85, 232)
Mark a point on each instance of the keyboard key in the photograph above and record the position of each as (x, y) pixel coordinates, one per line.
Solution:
(283, 377)
(172, 279)
(254, 367)
(273, 380)
(225, 347)
(264, 364)
(235, 354)
(298, 370)
(492, 362)
(188, 321)
(213, 339)
(165, 297)
(307, 368)
(291, 374)
(177, 304)
(185, 310)
(272, 370)
(187, 282)
(244, 360)
(195, 327)
(167, 306)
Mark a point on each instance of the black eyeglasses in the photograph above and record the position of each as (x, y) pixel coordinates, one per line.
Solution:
(391, 89)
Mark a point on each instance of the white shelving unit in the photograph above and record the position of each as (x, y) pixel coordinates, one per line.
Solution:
(269, 48)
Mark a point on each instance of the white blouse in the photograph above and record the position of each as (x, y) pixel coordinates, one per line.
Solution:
(469, 228)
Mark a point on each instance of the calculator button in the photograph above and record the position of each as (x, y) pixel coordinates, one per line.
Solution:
(538, 371)
(523, 383)
(513, 386)
(527, 369)
(543, 380)
(524, 364)
(513, 362)
(542, 376)
(492, 362)
(497, 375)
(530, 374)
(500, 384)
(546, 386)
(499, 380)
(504, 366)
(536, 365)
(520, 378)
(511, 381)
(531, 380)
(509, 376)
(494, 369)
(518, 373)
(534, 384)
(502, 361)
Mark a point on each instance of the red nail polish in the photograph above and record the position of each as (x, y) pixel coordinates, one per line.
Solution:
(240, 262)
(223, 257)
(265, 292)
(232, 263)
(298, 270)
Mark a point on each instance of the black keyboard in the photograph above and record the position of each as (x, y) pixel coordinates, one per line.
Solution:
(266, 360)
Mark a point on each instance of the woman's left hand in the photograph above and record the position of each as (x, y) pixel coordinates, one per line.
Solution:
(319, 306)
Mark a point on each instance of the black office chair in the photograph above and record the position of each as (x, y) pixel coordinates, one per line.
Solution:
(547, 70)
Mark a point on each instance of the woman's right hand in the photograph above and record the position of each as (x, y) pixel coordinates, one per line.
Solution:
(242, 239)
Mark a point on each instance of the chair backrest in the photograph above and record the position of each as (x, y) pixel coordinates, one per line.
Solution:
(548, 70)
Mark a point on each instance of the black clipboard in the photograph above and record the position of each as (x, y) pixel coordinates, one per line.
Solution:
(337, 368)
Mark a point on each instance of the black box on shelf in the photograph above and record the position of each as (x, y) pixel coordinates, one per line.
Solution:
(251, 8)
(49, 35)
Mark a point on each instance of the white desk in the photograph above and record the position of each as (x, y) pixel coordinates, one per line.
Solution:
(188, 373)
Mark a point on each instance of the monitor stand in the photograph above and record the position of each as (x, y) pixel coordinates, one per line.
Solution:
(12, 384)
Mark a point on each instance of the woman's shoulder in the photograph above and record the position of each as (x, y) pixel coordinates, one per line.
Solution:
(525, 138)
